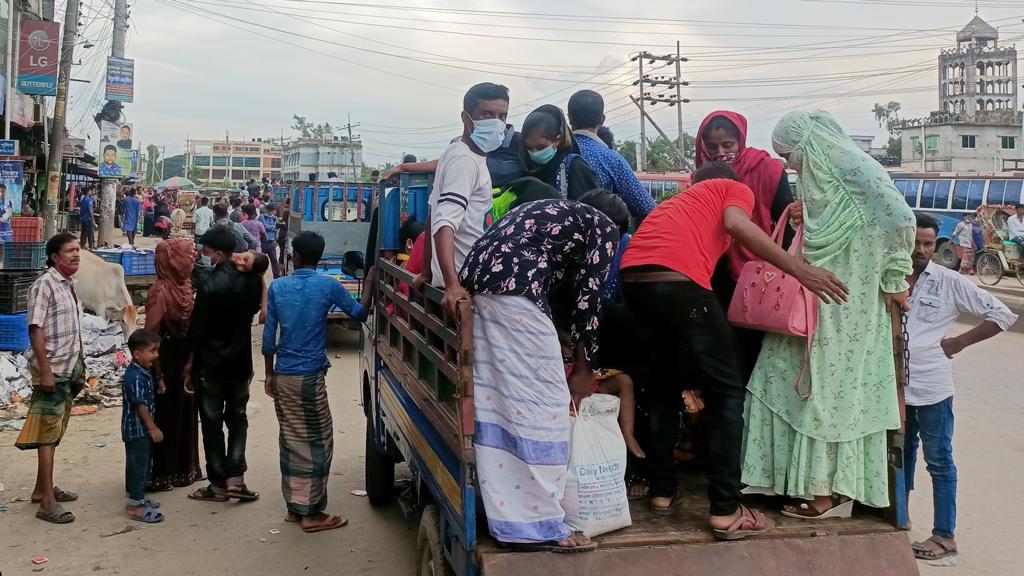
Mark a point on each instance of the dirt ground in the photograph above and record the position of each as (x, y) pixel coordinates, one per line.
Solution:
(207, 538)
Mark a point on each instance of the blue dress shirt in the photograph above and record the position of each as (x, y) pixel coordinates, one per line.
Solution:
(613, 173)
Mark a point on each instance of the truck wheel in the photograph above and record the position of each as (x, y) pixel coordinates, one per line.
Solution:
(947, 255)
(380, 471)
(429, 545)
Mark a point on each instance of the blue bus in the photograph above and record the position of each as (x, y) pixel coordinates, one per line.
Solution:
(948, 196)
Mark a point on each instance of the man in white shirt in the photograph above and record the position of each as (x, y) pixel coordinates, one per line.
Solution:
(938, 296)
(460, 203)
(1015, 225)
(202, 217)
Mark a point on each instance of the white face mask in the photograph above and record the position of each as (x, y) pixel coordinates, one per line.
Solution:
(488, 134)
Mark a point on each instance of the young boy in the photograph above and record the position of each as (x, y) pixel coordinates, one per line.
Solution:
(138, 429)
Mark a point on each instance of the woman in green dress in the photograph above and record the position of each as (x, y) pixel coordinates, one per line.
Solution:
(825, 441)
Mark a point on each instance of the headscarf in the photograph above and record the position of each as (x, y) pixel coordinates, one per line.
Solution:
(837, 181)
(755, 168)
(173, 288)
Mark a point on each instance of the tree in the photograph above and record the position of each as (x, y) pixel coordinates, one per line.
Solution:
(888, 117)
(628, 150)
(153, 165)
(660, 154)
(895, 147)
(303, 127)
(194, 173)
(321, 130)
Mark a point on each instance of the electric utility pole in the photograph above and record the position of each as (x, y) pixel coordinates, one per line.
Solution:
(108, 189)
(53, 160)
(351, 147)
(674, 81)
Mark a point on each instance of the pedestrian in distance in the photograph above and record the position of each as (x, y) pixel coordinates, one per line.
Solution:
(139, 431)
(294, 344)
(87, 215)
(269, 246)
(132, 211)
(58, 370)
(220, 340)
(937, 298)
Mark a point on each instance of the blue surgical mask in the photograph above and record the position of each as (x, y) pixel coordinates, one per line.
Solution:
(488, 134)
(543, 156)
(206, 261)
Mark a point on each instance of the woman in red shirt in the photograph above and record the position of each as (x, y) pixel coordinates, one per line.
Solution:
(666, 281)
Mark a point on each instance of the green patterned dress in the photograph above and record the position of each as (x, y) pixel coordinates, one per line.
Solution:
(858, 226)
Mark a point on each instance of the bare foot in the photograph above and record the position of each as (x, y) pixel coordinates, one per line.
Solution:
(634, 447)
(292, 517)
(638, 491)
(660, 502)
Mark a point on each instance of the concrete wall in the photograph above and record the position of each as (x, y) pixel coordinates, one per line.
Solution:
(951, 156)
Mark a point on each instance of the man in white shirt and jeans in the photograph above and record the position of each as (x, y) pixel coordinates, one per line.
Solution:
(938, 296)
(1015, 225)
(202, 217)
(460, 203)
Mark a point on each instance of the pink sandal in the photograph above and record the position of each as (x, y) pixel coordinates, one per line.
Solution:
(750, 523)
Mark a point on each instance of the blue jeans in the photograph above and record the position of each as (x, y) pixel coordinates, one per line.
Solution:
(136, 469)
(933, 426)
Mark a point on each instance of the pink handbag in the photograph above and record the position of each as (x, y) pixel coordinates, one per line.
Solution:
(769, 300)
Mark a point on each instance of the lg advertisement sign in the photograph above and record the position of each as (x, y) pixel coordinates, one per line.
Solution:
(39, 57)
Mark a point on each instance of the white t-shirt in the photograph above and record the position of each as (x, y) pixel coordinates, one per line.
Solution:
(1014, 227)
(202, 218)
(461, 200)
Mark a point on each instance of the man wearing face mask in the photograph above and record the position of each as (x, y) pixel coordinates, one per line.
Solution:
(221, 365)
(58, 370)
(460, 203)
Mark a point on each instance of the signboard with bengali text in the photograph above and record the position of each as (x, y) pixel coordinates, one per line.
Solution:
(120, 79)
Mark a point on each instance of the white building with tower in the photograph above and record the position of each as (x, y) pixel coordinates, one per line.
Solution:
(978, 124)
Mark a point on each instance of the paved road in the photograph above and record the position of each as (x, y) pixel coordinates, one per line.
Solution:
(202, 538)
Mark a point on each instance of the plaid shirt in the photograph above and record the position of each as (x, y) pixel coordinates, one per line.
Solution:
(136, 390)
(54, 307)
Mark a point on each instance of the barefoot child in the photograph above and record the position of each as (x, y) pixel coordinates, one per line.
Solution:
(138, 430)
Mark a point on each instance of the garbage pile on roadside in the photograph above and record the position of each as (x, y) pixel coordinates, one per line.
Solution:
(106, 358)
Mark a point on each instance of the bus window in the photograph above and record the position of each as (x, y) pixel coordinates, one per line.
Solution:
(942, 194)
(928, 194)
(911, 192)
(976, 194)
(960, 194)
(1013, 189)
(995, 192)
(901, 185)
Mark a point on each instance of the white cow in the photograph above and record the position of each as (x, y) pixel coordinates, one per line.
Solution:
(101, 288)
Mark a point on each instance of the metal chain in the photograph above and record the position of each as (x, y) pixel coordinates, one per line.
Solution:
(906, 346)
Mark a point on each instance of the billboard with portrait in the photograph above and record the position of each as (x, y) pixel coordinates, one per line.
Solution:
(115, 154)
(12, 182)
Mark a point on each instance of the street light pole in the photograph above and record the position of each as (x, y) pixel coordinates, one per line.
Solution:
(53, 160)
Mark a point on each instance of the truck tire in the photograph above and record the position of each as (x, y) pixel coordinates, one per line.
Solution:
(429, 547)
(947, 255)
(380, 471)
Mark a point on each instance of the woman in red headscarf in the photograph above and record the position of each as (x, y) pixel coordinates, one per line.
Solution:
(723, 138)
(168, 311)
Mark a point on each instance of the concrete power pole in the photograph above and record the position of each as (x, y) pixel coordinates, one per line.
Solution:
(53, 160)
(675, 81)
(108, 190)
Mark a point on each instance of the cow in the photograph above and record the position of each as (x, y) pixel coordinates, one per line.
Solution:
(101, 289)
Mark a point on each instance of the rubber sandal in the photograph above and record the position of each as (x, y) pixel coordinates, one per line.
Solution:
(750, 523)
(241, 492)
(60, 496)
(807, 512)
(948, 549)
(149, 516)
(207, 494)
(551, 546)
(56, 516)
(332, 523)
(666, 510)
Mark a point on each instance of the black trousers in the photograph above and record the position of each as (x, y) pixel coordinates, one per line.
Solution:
(222, 403)
(88, 239)
(685, 320)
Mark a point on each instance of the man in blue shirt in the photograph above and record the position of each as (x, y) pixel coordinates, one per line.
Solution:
(586, 114)
(295, 333)
(269, 246)
(86, 209)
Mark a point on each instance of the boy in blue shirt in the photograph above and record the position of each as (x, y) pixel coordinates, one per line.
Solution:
(138, 429)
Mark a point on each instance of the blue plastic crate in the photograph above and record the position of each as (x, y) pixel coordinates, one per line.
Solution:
(109, 256)
(139, 263)
(24, 255)
(14, 332)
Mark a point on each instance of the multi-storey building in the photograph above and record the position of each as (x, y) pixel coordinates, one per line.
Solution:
(217, 161)
(322, 156)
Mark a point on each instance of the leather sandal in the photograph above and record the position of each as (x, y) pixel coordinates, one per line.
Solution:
(750, 523)
(806, 511)
(947, 546)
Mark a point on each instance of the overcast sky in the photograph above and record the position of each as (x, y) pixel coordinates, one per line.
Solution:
(206, 67)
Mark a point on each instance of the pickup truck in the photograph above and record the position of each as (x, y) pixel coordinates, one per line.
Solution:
(416, 365)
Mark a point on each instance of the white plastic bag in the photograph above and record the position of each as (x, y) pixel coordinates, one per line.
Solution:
(595, 500)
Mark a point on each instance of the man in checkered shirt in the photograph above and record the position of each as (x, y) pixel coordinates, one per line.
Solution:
(58, 370)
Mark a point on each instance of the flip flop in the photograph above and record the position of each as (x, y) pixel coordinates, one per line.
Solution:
(59, 495)
(207, 494)
(750, 523)
(241, 492)
(56, 516)
(666, 510)
(331, 523)
(551, 546)
(948, 549)
(149, 516)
